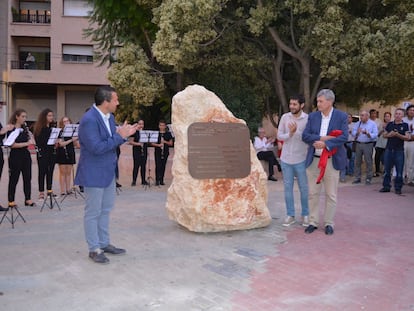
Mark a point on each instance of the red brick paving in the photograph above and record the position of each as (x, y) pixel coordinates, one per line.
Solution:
(368, 264)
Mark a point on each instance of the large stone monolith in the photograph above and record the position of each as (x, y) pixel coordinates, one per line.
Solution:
(210, 205)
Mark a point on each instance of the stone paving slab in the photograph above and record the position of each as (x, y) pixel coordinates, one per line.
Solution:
(45, 264)
(367, 264)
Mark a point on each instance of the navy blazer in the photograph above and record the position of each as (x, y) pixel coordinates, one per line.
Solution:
(339, 121)
(98, 158)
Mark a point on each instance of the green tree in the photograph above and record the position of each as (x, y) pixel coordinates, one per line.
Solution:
(361, 49)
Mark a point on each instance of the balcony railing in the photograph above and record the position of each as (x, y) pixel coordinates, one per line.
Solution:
(21, 64)
(41, 17)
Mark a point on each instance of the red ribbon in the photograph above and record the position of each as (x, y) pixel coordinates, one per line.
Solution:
(326, 154)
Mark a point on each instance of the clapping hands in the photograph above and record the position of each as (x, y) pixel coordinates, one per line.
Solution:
(126, 130)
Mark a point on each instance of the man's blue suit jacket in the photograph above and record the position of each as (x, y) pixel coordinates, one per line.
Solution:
(339, 121)
(98, 159)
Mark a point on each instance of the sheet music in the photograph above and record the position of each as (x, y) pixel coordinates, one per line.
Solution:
(54, 135)
(12, 137)
(70, 130)
(148, 136)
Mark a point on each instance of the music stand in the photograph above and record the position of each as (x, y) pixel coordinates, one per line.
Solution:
(148, 137)
(12, 219)
(54, 136)
(72, 130)
(12, 137)
(52, 201)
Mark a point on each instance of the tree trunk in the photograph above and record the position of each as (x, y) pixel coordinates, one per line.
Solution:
(278, 81)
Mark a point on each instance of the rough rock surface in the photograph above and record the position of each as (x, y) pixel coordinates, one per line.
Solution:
(210, 205)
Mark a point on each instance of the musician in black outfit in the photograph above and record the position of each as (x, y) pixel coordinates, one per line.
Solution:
(20, 160)
(3, 131)
(46, 155)
(161, 152)
(65, 157)
(139, 154)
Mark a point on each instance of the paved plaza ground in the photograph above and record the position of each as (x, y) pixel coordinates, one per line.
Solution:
(368, 264)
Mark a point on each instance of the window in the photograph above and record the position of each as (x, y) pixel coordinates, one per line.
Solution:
(77, 53)
(76, 8)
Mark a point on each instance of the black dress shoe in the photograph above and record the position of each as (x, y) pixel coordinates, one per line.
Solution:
(118, 185)
(162, 183)
(110, 249)
(310, 229)
(272, 178)
(133, 184)
(329, 230)
(397, 191)
(144, 183)
(98, 258)
(384, 190)
(157, 183)
(3, 209)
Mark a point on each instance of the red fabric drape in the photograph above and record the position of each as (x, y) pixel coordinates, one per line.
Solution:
(326, 154)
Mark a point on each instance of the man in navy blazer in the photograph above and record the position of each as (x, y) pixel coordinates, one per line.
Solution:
(319, 136)
(99, 138)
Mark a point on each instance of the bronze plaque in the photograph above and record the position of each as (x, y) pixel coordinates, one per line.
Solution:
(218, 150)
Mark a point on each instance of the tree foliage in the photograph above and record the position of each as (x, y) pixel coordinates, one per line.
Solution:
(361, 49)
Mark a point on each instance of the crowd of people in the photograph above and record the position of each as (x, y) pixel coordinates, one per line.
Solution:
(322, 148)
(317, 149)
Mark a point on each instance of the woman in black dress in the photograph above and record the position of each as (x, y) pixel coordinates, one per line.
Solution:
(65, 157)
(20, 160)
(46, 154)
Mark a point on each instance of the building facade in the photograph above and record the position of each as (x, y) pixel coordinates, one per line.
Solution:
(45, 60)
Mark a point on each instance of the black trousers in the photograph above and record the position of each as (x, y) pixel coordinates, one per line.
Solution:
(20, 164)
(46, 165)
(160, 164)
(270, 158)
(379, 158)
(140, 161)
(1, 161)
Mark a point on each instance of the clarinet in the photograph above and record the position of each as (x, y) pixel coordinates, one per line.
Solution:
(54, 124)
(29, 134)
(66, 152)
(162, 145)
(143, 144)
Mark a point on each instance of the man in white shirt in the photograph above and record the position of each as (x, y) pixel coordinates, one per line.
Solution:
(264, 149)
(293, 158)
(365, 132)
(320, 134)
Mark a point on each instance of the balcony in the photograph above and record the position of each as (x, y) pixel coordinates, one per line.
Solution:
(22, 64)
(32, 17)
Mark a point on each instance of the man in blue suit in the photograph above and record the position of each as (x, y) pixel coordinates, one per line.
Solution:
(325, 133)
(99, 138)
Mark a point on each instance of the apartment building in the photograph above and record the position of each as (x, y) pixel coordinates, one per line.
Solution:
(45, 61)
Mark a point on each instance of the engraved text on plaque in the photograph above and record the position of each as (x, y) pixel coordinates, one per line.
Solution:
(218, 150)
